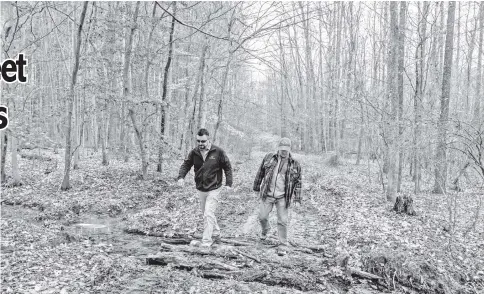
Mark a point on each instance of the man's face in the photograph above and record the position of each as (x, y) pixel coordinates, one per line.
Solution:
(283, 153)
(202, 142)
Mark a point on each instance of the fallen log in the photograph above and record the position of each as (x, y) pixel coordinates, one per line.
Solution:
(247, 255)
(165, 258)
(252, 277)
(222, 251)
(362, 274)
(211, 275)
(215, 274)
(181, 262)
(289, 279)
(213, 264)
(176, 241)
(304, 250)
(235, 242)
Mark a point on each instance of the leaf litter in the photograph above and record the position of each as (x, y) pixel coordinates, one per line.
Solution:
(343, 227)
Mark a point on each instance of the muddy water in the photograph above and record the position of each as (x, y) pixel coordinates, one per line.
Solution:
(96, 228)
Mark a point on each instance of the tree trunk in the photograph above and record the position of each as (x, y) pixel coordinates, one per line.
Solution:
(419, 75)
(441, 158)
(192, 121)
(70, 104)
(75, 115)
(282, 74)
(321, 107)
(336, 85)
(15, 169)
(126, 88)
(4, 141)
(159, 167)
(310, 83)
(202, 108)
(95, 127)
(302, 109)
(185, 142)
(102, 139)
(471, 44)
(149, 54)
(75, 131)
(139, 135)
(360, 136)
(401, 69)
(477, 100)
(393, 96)
(222, 93)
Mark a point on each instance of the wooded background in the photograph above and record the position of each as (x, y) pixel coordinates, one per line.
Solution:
(398, 83)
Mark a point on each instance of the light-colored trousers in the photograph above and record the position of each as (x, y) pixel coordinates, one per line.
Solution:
(208, 203)
(265, 209)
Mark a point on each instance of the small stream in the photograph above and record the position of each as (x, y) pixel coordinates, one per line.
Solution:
(100, 229)
(96, 228)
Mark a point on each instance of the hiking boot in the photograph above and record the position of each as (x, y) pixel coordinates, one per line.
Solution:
(206, 244)
(217, 239)
(195, 243)
(281, 251)
(263, 237)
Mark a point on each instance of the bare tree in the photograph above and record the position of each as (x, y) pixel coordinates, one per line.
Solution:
(126, 86)
(70, 104)
(477, 101)
(417, 102)
(202, 105)
(225, 76)
(441, 158)
(166, 72)
(126, 92)
(392, 133)
(401, 69)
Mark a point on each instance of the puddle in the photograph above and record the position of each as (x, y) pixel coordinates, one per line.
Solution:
(97, 229)
(91, 226)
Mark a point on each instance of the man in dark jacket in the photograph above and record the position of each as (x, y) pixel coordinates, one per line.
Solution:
(208, 161)
(278, 182)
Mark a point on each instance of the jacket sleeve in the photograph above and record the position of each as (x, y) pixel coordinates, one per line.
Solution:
(227, 167)
(260, 175)
(298, 185)
(186, 166)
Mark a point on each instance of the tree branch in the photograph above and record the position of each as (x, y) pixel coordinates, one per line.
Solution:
(192, 27)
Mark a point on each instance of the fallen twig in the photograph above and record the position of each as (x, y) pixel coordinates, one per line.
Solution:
(247, 255)
(235, 242)
(362, 274)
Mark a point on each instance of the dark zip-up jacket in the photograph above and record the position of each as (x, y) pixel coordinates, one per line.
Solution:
(292, 184)
(208, 173)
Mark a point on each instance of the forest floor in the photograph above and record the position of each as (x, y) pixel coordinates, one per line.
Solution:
(115, 233)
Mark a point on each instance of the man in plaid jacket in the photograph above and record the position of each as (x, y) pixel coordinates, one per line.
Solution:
(278, 182)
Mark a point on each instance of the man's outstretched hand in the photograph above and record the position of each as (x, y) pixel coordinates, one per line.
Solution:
(180, 182)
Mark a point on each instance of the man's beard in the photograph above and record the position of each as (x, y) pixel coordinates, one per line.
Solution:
(201, 147)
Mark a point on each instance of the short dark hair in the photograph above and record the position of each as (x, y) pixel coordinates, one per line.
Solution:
(203, 132)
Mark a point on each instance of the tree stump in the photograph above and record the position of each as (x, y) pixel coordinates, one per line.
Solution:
(404, 204)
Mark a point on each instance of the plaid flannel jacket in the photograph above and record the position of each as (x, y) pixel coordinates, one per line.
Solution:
(292, 185)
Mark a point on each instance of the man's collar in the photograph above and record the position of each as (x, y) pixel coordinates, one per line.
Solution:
(276, 155)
